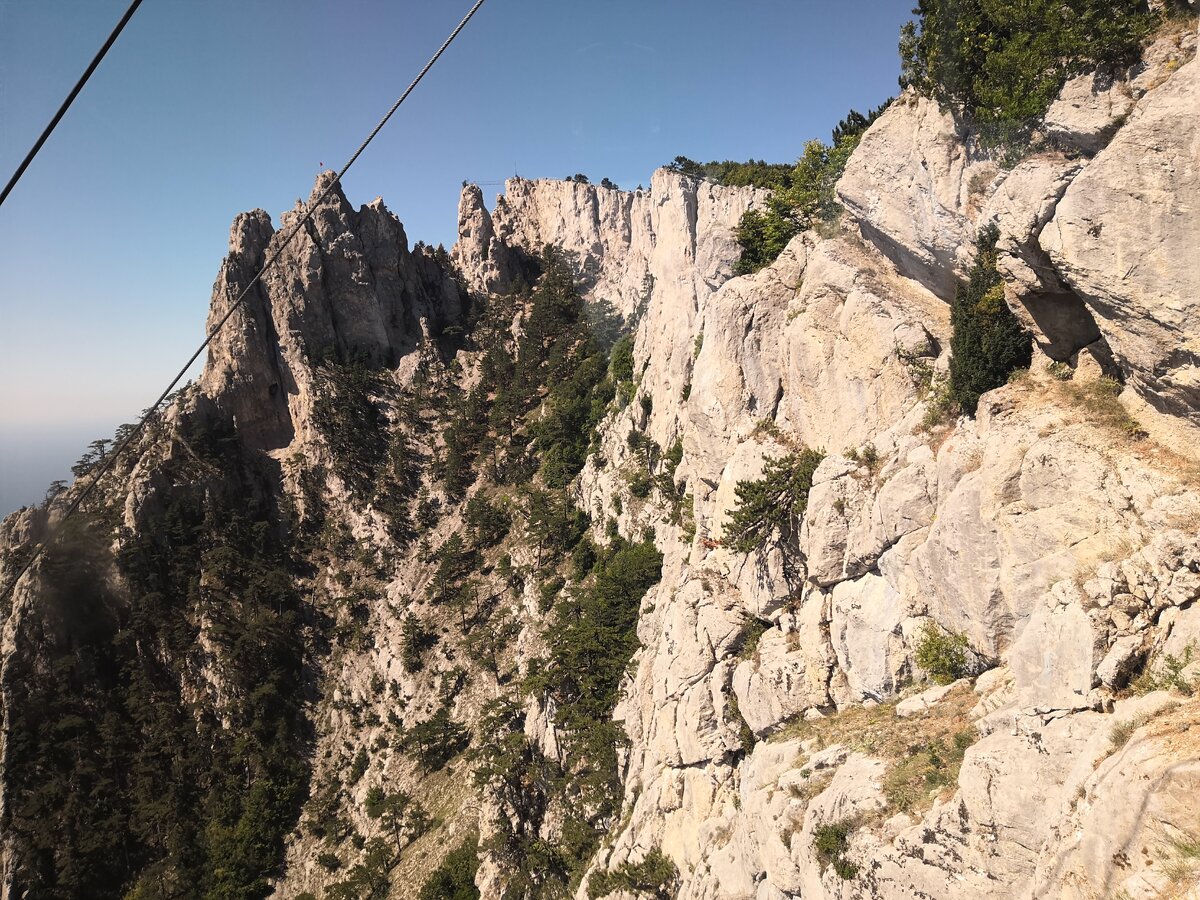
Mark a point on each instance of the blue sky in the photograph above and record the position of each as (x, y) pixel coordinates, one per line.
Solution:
(110, 243)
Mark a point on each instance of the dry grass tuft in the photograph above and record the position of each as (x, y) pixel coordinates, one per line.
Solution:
(924, 752)
(1099, 400)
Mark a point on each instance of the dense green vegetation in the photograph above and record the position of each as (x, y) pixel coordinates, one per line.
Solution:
(774, 504)
(803, 193)
(831, 841)
(376, 461)
(987, 343)
(161, 731)
(1002, 62)
(559, 368)
(454, 879)
(591, 642)
(752, 173)
(120, 785)
(943, 654)
(510, 446)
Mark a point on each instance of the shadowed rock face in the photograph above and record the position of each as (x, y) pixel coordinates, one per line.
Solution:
(346, 288)
(915, 187)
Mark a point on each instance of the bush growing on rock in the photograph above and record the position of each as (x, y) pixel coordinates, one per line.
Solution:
(831, 841)
(804, 196)
(454, 879)
(775, 503)
(1003, 63)
(1169, 673)
(943, 654)
(987, 343)
(655, 876)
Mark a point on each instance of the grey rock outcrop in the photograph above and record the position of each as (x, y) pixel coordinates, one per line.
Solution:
(1055, 546)
(1088, 112)
(347, 287)
(678, 235)
(1124, 236)
(916, 186)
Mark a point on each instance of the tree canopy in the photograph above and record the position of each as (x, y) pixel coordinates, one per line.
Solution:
(1002, 62)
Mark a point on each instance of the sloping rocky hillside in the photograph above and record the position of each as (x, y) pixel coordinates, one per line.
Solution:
(443, 575)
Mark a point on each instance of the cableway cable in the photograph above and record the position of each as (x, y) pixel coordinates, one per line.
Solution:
(66, 104)
(110, 460)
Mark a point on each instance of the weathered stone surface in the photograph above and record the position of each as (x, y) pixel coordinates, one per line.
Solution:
(1054, 661)
(675, 237)
(916, 186)
(1123, 831)
(866, 635)
(346, 287)
(912, 706)
(1088, 112)
(1124, 237)
(784, 681)
(1021, 206)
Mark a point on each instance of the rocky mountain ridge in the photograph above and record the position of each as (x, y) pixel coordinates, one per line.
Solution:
(782, 734)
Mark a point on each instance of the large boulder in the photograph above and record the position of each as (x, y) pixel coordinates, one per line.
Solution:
(1088, 112)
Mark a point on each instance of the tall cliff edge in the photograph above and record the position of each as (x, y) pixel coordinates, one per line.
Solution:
(314, 638)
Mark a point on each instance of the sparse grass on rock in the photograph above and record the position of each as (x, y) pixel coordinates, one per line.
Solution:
(924, 752)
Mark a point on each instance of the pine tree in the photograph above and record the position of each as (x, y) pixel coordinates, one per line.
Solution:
(773, 504)
(987, 342)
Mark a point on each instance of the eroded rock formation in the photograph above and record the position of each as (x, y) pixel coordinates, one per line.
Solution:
(783, 739)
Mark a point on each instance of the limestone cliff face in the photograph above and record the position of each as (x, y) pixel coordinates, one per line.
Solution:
(677, 236)
(347, 287)
(784, 738)
(1019, 529)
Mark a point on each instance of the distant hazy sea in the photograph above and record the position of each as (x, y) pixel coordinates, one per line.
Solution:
(32, 456)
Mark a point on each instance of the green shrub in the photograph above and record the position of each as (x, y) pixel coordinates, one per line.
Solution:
(803, 197)
(454, 879)
(1002, 62)
(943, 654)
(987, 342)
(831, 841)
(330, 862)
(733, 716)
(773, 504)
(1166, 673)
(621, 360)
(358, 767)
(640, 483)
(747, 640)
